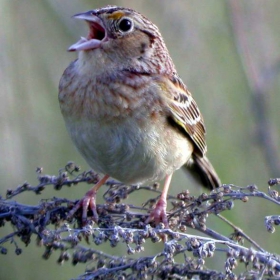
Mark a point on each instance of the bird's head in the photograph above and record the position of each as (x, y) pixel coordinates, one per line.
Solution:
(124, 38)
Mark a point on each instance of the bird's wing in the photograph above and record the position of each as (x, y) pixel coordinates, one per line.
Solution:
(185, 113)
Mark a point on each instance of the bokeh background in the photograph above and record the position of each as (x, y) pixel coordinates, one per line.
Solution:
(227, 52)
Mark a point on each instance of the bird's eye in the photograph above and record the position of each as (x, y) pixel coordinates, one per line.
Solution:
(125, 25)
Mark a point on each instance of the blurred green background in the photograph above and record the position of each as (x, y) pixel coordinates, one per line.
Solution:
(228, 54)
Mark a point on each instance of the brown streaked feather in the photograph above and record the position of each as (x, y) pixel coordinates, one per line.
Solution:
(202, 171)
(186, 114)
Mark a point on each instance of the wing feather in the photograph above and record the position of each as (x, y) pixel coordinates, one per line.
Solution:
(185, 113)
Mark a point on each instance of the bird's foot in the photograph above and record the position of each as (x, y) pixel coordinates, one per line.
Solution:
(158, 214)
(87, 202)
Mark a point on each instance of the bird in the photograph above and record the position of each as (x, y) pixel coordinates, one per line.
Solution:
(127, 110)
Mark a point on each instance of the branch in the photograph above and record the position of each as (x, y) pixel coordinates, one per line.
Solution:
(121, 224)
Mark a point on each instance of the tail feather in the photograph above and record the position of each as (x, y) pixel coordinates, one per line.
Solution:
(203, 171)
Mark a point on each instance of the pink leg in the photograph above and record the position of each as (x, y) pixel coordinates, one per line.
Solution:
(88, 201)
(159, 212)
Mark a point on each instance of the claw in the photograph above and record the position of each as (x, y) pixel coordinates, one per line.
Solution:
(87, 202)
(158, 214)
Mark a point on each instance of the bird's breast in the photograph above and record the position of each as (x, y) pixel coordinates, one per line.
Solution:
(108, 96)
(118, 123)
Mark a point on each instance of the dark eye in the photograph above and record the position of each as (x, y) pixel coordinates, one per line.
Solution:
(125, 25)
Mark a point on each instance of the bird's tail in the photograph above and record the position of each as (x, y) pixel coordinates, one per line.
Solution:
(203, 172)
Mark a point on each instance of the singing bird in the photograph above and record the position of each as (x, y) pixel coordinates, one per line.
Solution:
(126, 109)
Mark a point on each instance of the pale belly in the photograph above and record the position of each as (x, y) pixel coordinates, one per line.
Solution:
(129, 153)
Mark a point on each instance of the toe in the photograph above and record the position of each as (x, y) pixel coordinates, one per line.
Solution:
(87, 202)
(158, 214)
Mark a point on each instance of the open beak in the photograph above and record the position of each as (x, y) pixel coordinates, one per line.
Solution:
(97, 33)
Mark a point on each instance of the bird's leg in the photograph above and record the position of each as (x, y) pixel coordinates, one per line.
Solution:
(158, 214)
(88, 201)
